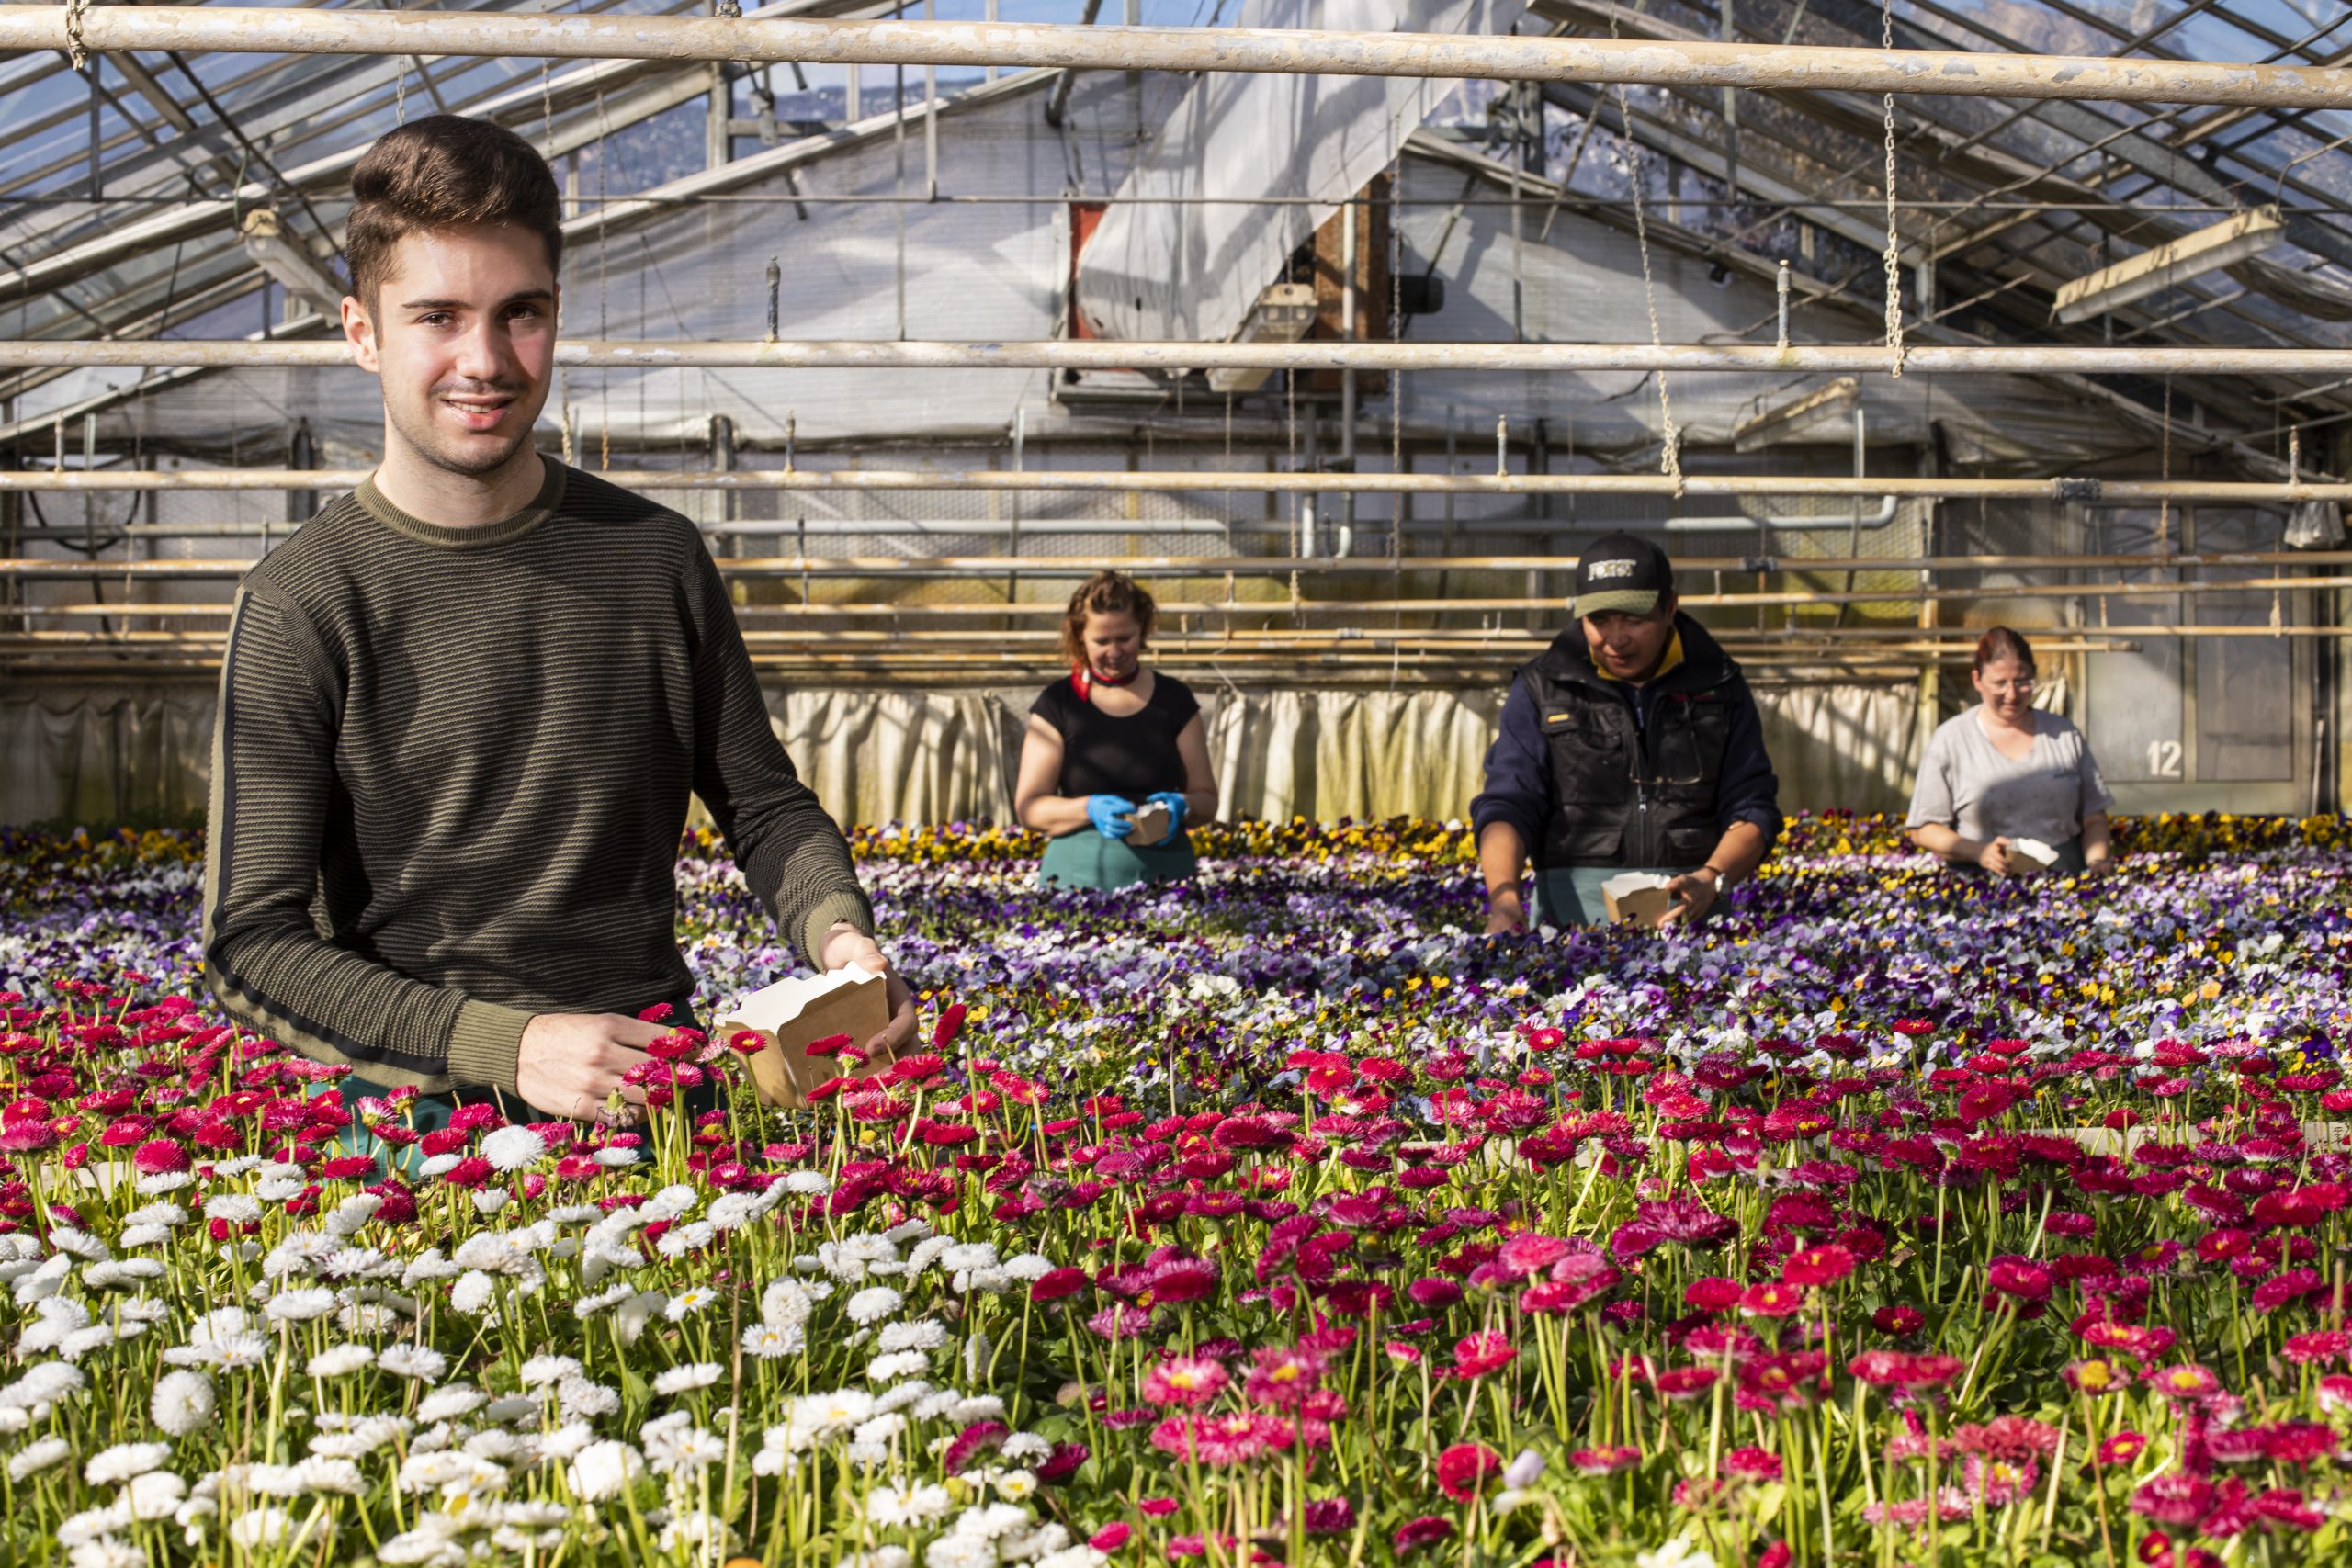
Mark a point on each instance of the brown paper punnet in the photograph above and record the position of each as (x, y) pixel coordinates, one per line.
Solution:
(793, 1014)
(2034, 852)
(1637, 899)
(1150, 824)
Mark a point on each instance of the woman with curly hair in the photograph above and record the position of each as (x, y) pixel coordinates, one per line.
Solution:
(1109, 744)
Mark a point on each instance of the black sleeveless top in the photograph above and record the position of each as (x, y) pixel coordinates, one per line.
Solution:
(1132, 757)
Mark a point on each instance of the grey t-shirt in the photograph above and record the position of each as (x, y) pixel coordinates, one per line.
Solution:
(1967, 784)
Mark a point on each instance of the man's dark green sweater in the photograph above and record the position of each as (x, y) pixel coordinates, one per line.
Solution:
(451, 767)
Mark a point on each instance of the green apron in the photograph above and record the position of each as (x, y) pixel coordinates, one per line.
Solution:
(1086, 859)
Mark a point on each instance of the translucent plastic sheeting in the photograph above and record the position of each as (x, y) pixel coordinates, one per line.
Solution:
(1161, 266)
(1000, 270)
(937, 756)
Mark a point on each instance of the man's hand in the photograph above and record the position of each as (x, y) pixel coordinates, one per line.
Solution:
(1694, 893)
(845, 945)
(1506, 916)
(1995, 857)
(568, 1062)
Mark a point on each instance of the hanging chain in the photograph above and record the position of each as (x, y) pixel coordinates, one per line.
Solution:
(546, 109)
(604, 324)
(77, 49)
(400, 94)
(1894, 241)
(1671, 460)
(2163, 471)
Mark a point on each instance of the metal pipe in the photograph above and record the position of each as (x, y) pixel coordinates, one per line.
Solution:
(1860, 522)
(1177, 358)
(1282, 565)
(1354, 607)
(756, 39)
(1165, 480)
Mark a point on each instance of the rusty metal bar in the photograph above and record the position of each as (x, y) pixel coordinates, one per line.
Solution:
(756, 39)
(2111, 491)
(1101, 353)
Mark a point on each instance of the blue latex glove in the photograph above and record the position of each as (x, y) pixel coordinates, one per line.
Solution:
(1176, 809)
(1113, 815)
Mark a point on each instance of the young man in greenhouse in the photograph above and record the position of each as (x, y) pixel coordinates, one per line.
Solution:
(1631, 744)
(462, 709)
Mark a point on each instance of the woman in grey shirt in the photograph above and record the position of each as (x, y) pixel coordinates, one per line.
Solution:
(2004, 770)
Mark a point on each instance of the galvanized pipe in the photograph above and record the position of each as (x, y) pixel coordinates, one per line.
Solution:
(756, 39)
(1107, 354)
(1163, 481)
(1044, 609)
(1282, 565)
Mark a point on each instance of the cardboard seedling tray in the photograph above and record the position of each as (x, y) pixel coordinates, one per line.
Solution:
(792, 1015)
(1636, 898)
(1150, 824)
(2034, 853)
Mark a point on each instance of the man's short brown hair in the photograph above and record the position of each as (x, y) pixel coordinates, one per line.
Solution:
(446, 172)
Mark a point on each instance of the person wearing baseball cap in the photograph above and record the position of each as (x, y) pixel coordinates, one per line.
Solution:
(1631, 743)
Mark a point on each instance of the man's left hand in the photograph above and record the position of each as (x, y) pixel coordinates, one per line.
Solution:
(1694, 893)
(845, 945)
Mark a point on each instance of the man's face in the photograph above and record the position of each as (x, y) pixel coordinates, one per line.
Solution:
(462, 335)
(1630, 647)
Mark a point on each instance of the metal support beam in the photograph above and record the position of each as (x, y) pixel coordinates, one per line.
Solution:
(753, 39)
(1178, 359)
(1162, 481)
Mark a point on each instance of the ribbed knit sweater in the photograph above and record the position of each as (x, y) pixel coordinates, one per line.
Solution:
(450, 770)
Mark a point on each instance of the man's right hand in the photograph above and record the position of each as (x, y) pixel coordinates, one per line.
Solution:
(1505, 916)
(568, 1062)
(1995, 857)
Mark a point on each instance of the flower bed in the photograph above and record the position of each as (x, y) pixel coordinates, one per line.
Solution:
(1273, 1218)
